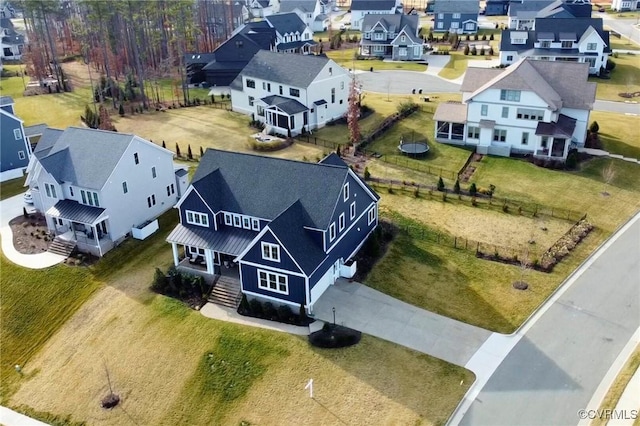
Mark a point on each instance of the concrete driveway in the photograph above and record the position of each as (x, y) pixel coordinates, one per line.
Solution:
(403, 82)
(372, 312)
(9, 209)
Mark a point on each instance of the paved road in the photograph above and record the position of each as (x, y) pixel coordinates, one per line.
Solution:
(372, 312)
(403, 82)
(619, 107)
(554, 370)
(626, 27)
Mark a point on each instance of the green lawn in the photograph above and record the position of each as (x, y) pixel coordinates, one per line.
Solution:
(624, 78)
(345, 58)
(171, 365)
(618, 133)
(12, 187)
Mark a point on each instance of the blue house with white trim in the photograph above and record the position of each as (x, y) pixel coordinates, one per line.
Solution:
(15, 150)
(286, 230)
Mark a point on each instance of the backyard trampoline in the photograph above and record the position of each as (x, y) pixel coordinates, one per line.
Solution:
(413, 148)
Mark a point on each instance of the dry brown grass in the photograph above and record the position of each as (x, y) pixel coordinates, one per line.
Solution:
(152, 347)
(462, 220)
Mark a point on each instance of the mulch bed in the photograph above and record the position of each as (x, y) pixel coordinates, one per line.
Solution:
(30, 234)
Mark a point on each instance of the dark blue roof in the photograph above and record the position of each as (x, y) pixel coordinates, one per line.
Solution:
(265, 186)
(295, 44)
(372, 4)
(287, 23)
(334, 160)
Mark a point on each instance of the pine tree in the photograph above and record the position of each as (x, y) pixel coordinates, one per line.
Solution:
(164, 145)
(189, 153)
(121, 110)
(440, 184)
(201, 151)
(177, 150)
(104, 120)
(456, 187)
(473, 190)
(338, 151)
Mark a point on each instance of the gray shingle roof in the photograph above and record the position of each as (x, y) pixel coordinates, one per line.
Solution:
(265, 186)
(226, 240)
(6, 100)
(559, 83)
(457, 6)
(286, 23)
(46, 142)
(515, 8)
(290, 106)
(292, 70)
(76, 212)
(392, 22)
(303, 5)
(84, 157)
(295, 44)
(372, 4)
(36, 129)
(451, 112)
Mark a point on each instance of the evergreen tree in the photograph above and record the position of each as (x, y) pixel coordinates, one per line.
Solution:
(178, 150)
(189, 153)
(456, 187)
(440, 184)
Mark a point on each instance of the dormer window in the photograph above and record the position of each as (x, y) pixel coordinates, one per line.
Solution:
(271, 252)
(345, 191)
(228, 219)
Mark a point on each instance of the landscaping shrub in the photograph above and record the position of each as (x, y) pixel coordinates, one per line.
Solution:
(572, 159)
(255, 307)
(610, 65)
(406, 107)
(367, 174)
(473, 190)
(269, 311)
(456, 187)
(284, 313)
(177, 150)
(336, 336)
(440, 184)
(595, 127)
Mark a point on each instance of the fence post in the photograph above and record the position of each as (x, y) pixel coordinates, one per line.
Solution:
(477, 247)
(455, 242)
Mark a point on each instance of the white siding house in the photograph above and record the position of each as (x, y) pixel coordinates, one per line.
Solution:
(360, 8)
(539, 108)
(624, 5)
(94, 186)
(290, 93)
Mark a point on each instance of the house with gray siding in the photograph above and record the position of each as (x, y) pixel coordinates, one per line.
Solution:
(361, 8)
(456, 16)
(284, 230)
(94, 187)
(14, 146)
(392, 36)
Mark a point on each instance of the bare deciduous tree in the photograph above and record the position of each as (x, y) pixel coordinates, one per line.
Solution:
(608, 174)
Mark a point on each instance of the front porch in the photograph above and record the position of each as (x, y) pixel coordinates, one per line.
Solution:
(87, 226)
(283, 115)
(376, 50)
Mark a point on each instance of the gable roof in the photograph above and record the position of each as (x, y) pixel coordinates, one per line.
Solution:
(290, 106)
(521, 8)
(560, 84)
(84, 157)
(34, 130)
(229, 181)
(307, 6)
(6, 100)
(292, 70)
(392, 22)
(372, 4)
(286, 23)
(457, 6)
(334, 160)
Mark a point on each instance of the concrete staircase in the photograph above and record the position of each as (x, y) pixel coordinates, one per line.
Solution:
(226, 292)
(62, 247)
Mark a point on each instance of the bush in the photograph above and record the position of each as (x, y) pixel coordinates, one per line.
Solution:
(121, 110)
(367, 174)
(244, 305)
(440, 184)
(406, 107)
(595, 127)
(473, 190)
(467, 49)
(269, 310)
(160, 281)
(456, 187)
(255, 307)
(284, 313)
(572, 159)
(610, 65)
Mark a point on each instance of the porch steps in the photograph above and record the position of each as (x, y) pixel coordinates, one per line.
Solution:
(62, 247)
(226, 292)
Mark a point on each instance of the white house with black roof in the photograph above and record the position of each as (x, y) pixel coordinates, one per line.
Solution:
(559, 39)
(310, 11)
(291, 93)
(292, 34)
(360, 8)
(285, 229)
(94, 186)
(540, 108)
(262, 8)
(392, 36)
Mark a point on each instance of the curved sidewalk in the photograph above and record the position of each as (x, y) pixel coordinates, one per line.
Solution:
(9, 209)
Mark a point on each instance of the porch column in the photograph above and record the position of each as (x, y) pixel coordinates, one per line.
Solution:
(95, 236)
(209, 259)
(174, 249)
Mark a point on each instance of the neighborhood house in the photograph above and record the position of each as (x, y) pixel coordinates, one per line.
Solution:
(14, 146)
(285, 229)
(391, 36)
(291, 93)
(95, 186)
(532, 107)
(361, 8)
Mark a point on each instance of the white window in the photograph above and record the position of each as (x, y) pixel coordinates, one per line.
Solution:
(51, 190)
(499, 135)
(525, 138)
(237, 221)
(251, 100)
(402, 51)
(228, 220)
(544, 141)
(17, 134)
(469, 26)
(473, 132)
(255, 224)
(136, 159)
(151, 200)
(125, 189)
(566, 44)
(271, 252)
(332, 232)
(91, 198)
(246, 222)
(345, 191)
(440, 15)
(510, 95)
(456, 16)
(352, 210)
(21, 155)
(195, 218)
(417, 51)
(403, 38)
(529, 114)
(251, 83)
(378, 36)
(153, 172)
(509, 58)
(592, 46)
(440, 25)
(372, 215)
(342, 85)
(273, 282)
(484, 110)
(455, 25)
(505, 112)
(341, 222)
(545, 44)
